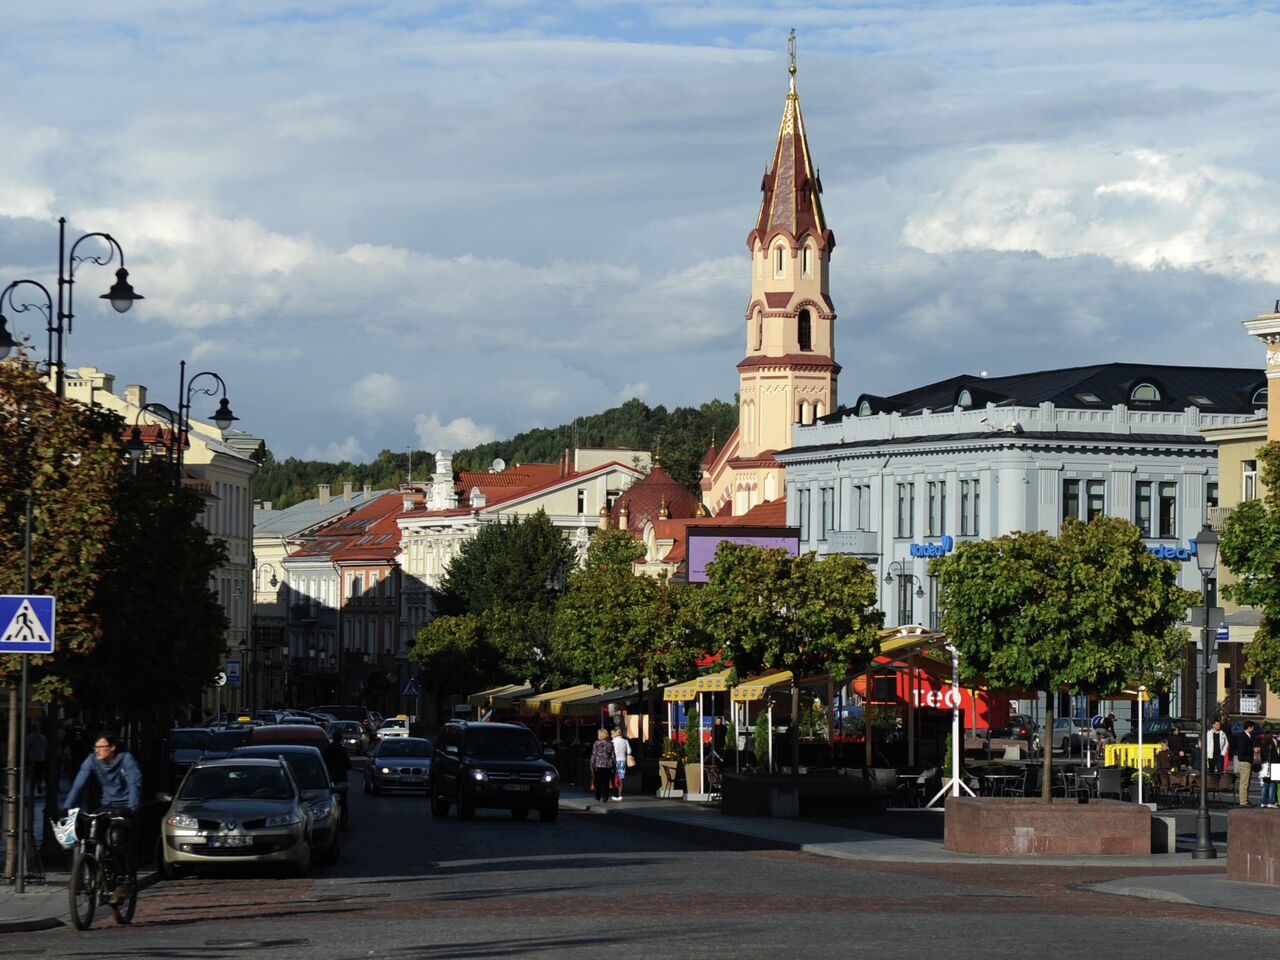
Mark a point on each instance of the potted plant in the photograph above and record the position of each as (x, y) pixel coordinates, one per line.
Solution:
(692, 752)
(762, 746)
(669, 767)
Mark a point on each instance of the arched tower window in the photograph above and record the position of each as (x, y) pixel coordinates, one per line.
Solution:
(779, 262)
(804, 331)
(802, 412)
(818, 409)
(806, 261)
(759, 259)
(757, 330)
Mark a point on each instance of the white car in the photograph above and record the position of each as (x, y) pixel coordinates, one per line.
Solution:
(393, 727)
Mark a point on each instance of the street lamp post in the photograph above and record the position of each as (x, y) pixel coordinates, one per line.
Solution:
(58, 321)
(1207, 561)
(222, 417)
(899, 567)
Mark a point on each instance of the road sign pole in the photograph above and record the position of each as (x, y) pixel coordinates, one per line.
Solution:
(20, 835)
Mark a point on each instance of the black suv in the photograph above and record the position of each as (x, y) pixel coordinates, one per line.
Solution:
(492, 765)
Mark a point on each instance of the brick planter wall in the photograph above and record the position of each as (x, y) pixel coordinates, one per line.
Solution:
(1253, 845)
(1014, 826)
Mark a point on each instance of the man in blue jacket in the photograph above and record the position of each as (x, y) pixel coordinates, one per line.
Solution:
(120, 785)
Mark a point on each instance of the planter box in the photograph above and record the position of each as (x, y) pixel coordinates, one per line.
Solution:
(1253, 845)
(668, 771)
(1017, 826)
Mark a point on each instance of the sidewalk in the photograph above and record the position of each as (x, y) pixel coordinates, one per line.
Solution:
(1196, 886)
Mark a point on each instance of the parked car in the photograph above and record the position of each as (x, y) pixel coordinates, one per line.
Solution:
(327, 799)
(1070, 734)
(398, 763)
(222, 742)
(394, 727)
(354, 737)
(492, 765)
(235, 813)
(1158, 728)
(1019, 727)
(183, 747)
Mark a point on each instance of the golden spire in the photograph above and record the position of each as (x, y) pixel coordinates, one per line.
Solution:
(791, 54)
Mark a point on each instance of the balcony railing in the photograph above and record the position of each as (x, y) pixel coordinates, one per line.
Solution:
(1217, 517)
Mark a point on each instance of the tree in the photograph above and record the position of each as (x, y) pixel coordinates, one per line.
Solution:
(507, 580)
(763, 609)
(1251, 550)
(1087, 611)
(617, 629)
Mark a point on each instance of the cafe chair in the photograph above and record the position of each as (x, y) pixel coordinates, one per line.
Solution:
(1111, 783)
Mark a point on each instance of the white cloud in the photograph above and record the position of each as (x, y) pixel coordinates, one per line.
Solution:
(348, 449)
(638, 389)
(377, 395)
(457, 434)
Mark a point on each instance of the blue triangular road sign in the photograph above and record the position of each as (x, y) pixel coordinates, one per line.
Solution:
(26, 624)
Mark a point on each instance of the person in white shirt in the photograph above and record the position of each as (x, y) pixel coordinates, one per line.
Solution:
(621, 753)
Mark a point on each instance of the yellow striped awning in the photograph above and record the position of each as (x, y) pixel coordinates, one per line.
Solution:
(507, 699)
(482, 699)
(689, 690)
(757, 687)
(543, 701)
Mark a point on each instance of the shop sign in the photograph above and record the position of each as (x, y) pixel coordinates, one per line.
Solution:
(938, 549)
(948, 697)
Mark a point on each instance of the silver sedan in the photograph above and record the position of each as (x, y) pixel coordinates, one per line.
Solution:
(399, 763)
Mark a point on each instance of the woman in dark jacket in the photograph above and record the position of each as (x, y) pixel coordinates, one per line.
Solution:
(602, 764)
(1268, 753)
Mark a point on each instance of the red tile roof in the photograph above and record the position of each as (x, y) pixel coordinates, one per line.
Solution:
(369, 533)
(810, 361)
(645, 498)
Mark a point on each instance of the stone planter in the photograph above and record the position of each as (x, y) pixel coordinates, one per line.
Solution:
(668, 770)
(693, 779)
(1253, 845)
(1017, 826)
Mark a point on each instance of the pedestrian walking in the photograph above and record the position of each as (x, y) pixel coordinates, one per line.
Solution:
(1242, 750)
(1269, 759)
(603, 764)
(1217, 748)
(621, 759)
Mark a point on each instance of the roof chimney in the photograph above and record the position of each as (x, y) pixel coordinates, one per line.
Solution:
(324, 492)
(368, 490)
(346, 491)
(135, 395)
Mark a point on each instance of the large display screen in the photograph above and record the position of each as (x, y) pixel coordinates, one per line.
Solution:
(704, 540)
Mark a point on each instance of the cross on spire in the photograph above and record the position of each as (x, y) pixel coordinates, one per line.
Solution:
(791, 52)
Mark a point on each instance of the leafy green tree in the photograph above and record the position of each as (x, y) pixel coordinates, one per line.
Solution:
(617, 629)
(1251, 550)
(1087, 611)
(763, 609)
(506, 580)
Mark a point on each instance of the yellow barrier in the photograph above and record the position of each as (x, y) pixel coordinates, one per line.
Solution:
(1126, 754)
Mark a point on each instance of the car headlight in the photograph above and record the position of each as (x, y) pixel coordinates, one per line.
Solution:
(479, 775)
(321, 811)
(549, 776)
(386, 769)
(183, 821)
(282, 820)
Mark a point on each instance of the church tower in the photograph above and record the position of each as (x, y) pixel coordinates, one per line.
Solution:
(789, 373)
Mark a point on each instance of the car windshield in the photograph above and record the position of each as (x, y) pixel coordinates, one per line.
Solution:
(189, 739)
(224, 741)
(236, 782)
(393, 723)
(347, 726)
(405, 748)
(307, 767)
(498, 744)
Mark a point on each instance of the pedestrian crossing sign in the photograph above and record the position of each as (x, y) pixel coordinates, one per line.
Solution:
(26, 624)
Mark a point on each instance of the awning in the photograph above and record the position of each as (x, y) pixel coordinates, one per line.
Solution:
(907, 638)
(484, 697)
(689, 690)
(507, 699)
(542, 701)
(757, 687)
(588, 703)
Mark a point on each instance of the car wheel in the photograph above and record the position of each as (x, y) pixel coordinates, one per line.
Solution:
(549, 813)
(519, 813)
(374, 788)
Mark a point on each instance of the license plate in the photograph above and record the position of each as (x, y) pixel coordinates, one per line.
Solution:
(516, 787)
(231, 841)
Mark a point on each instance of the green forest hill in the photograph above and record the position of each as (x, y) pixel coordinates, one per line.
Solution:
(682, 436)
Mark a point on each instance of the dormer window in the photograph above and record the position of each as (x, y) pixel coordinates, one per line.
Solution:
(1088, 398)
(964, 399)
(1259, 397)
(864, 408)
(804, 330)
(1201, 401)
(1145, 392)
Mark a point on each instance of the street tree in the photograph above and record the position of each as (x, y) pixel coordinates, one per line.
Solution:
(507, 579)
(1250, 549)
(1088, 612)
(616, 629)
(763, 609)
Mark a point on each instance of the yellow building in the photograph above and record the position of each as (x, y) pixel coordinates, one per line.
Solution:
(789, 373)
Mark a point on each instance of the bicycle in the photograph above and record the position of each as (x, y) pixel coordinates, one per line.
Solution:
(97, 870)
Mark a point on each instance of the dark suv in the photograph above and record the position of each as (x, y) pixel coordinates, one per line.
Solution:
(492, 765)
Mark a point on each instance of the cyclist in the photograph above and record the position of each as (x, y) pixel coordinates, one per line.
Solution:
(120, 784)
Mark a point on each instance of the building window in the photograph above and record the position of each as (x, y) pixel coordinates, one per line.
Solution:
(828, 495)
(757, 331)
(807, 261)
(906, 510)
(802, 412)
(357, 585)
(970, 512)
(861, 506)
(582, 501)
(937, 518)
(1211, 493)
(1167, 509)
(1249, 478)
(778, 263)
(804, 331)
(803, 506)
(1070, 498)
(964, 398)
(1260, 397)
(1093, 501)
(1142, 506)
(906, 600)
(1145, 393)
(1158, 501)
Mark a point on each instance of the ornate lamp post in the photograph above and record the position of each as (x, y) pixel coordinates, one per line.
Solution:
(58, 321)
(222, 417)
(900, 568)
(1207, 561)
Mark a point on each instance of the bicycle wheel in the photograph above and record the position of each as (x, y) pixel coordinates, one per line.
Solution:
(83, 889)
(123, 910)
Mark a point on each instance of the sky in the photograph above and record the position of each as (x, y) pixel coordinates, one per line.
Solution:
(395, 224)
